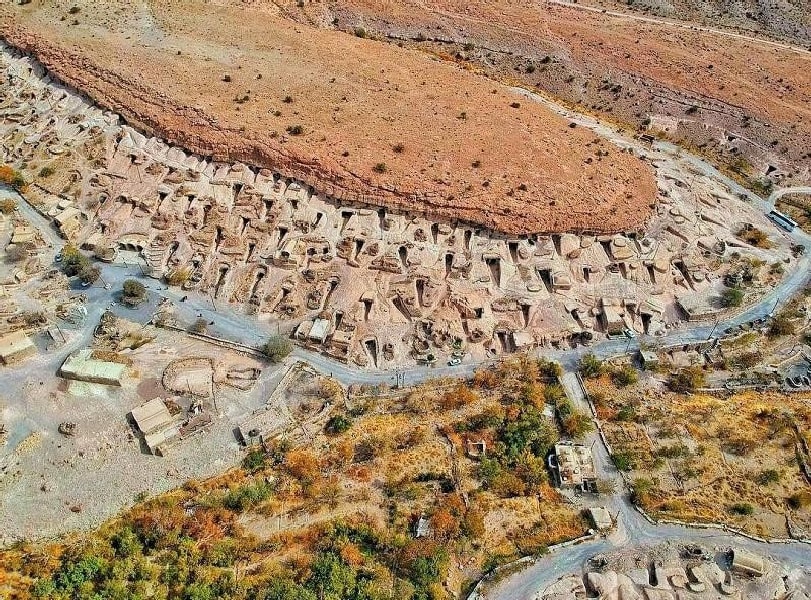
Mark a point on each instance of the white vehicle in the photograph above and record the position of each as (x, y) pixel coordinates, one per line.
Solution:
(454, 361)
(629, 333)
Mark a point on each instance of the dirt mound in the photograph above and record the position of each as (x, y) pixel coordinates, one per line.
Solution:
(358, 120)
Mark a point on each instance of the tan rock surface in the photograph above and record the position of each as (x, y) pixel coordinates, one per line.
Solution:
(361, 104)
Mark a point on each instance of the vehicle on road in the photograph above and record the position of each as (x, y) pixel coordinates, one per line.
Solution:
(629, 333)
(454, 361)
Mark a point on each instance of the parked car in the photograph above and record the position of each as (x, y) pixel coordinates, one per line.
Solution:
(454, 361)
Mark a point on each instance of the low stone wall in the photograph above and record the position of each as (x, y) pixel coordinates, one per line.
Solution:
(222, 343)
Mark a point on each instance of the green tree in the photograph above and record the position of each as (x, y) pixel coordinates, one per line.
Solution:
(133, 289)
(591, 367)
(687, 379)
(577, 424)
(277, 348)
(331, 578)
(623, 461)
(73, 261)
(732, 297)
(279, 588)
(624, 376)
(89, 274)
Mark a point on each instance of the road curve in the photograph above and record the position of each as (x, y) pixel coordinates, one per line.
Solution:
(633, 528)
(777, 194)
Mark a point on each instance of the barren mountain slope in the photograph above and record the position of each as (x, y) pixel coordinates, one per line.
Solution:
(356, 119)
(745, 102)
(788, 20)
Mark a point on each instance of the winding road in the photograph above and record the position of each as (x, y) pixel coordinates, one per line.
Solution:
(632, 528)
(777, 194)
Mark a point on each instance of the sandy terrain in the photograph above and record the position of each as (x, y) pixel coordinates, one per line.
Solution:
(379, 124)
(751, 98)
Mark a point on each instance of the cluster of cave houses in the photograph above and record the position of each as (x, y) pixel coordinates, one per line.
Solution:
(663, 573)
(357, 282)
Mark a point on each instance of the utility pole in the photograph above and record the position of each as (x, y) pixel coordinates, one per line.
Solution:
(214, 394)
(714, 327)
(59, 329)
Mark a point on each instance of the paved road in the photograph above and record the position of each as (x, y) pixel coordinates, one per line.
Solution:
(632, 529)
(682, 25)
(777, 194)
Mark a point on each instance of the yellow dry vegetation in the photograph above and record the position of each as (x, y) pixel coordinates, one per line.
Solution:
(734, 459)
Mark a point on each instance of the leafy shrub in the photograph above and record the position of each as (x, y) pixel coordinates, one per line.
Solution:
(277, 348)
(7, 206)
(338, 424)
(641, 490)
(18, 252)
(626, 413)
(246, 496)
(624, 376)
(673, 451)
(591, 367)
(768, 476)
(254, 461)
(781, 326)
(799, 500)
(554, 393)
(687, 379)
(755, 237)
(199, 326)
(732, 297)
(742, 508)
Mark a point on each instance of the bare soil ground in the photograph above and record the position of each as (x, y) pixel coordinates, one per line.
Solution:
(51, 484)
(741, 102)
(357, 119)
